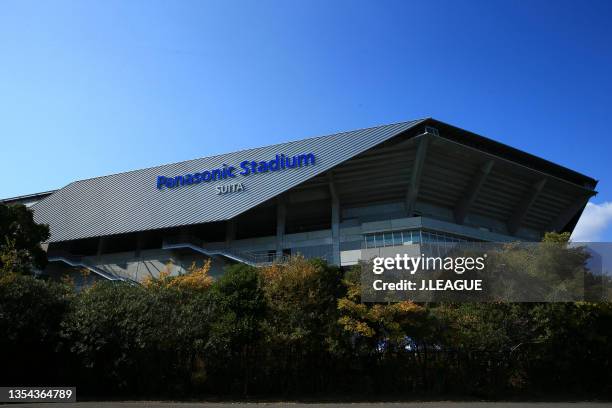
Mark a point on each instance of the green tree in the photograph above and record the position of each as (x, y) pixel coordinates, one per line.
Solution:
(30, 314)
(300, 323)
(373, 323)
(136, 340)
(20, 239)
(239, 307)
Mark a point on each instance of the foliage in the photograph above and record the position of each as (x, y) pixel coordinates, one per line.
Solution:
(382, 322)
(20, 239)
(301, 297)
(235, 328)
(196, 279)
(299, 325)
(136, 339)
(556, 237)
(30, 314)
(299, 329)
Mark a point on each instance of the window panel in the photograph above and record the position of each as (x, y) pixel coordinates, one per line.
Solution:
(370, 241)
(407, 237)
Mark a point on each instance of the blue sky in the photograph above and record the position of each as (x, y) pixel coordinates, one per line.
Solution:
(92, 88)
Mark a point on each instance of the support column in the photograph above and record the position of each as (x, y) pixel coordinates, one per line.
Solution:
(335, 220)
(520, 212)
(281, 215)
(230, 232)
(469, 197)
(184, 233)
(417, 171)
(139, 243)
(101, 246)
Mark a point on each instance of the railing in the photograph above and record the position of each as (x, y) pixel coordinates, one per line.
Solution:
(76, 261)
(252, 258)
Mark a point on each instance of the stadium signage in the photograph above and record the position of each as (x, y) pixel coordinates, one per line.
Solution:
(246, 168)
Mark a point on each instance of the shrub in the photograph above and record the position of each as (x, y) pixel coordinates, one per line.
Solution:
(20, 239)
(239, 307)
(30, 314)
(136, 340)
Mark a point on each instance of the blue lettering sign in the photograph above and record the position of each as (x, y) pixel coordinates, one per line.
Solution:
(246, 168)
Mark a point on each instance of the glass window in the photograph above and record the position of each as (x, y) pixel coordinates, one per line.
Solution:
(388, 238)
(397, 238)
(407, 237)
(370, 241)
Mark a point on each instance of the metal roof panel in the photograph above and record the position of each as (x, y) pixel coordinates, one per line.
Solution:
(130, 201)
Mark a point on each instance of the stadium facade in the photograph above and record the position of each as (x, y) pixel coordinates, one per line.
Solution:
(328, 197)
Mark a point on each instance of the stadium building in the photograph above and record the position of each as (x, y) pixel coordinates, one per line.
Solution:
(328, 197)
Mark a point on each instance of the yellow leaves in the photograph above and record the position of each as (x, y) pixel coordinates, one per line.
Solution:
(67, 280)
(384, 320)
(160, 281)
(298, 278)
(196, 278)
(348, 305)
(9, 257)
(7, 278)
(407, 307)
(368, 320)
(353, 292)
(356, 326)
(556, 237)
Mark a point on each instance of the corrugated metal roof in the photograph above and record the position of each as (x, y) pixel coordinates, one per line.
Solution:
(129, 202)
(42, 194)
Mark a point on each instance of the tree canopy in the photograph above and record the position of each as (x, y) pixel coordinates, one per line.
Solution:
(20, 240)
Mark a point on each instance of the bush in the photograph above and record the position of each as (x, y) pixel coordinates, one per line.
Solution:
(30, 314)
(239, 307)
(134, 340)
(294, 329)
(299, 327)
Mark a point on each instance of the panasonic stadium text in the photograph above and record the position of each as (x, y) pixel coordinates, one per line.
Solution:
(246, 168)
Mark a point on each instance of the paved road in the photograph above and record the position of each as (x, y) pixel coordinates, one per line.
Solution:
(442, 404)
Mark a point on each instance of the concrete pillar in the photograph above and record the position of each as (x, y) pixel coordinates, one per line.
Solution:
(335, 219)
(139, 243)
(184, 233)
(281, 215)
(469, 196)
(101, 246)
(417, 172)
(335, 227)
(230, 232)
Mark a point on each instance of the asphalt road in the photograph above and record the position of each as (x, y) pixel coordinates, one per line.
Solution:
(441, 404)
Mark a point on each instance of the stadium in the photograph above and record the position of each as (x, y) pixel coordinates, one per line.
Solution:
(330, 197)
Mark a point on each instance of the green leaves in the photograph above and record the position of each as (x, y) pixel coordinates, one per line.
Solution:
(20, 239)
(121, 331)
(293, 329)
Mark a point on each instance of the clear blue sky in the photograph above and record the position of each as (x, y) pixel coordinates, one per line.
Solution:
(91, 88)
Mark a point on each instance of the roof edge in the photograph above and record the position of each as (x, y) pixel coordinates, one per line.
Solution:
(413, 122)
(519, 156)
(27, 196)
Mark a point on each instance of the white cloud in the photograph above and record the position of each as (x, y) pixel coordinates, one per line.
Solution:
(593, 222)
